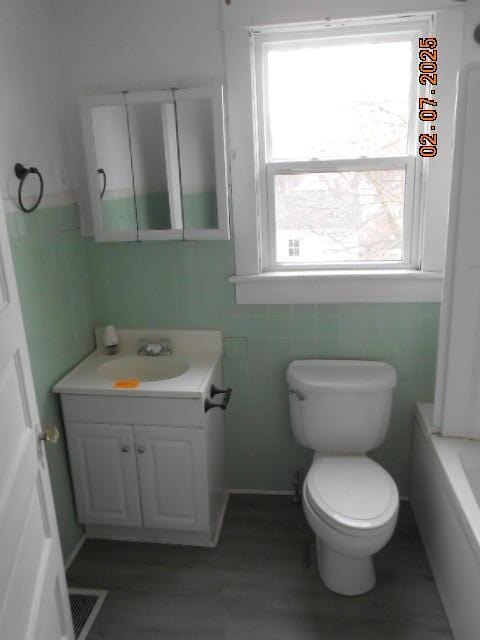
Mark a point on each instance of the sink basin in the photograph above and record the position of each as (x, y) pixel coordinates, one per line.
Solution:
(143, 368)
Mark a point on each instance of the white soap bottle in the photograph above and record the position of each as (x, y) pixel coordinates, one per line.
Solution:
(110, 340)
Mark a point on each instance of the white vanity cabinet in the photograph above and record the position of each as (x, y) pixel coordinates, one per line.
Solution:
(148, 461)
(162, 482)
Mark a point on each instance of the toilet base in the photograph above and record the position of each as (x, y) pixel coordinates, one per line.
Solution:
(343, 574)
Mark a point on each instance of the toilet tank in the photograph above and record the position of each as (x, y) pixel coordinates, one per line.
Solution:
(340, 406)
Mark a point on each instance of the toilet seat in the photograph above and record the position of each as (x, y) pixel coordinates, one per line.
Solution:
(353, 494)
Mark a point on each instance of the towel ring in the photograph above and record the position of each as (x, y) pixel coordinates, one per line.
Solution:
(22, 172)
(101, 172)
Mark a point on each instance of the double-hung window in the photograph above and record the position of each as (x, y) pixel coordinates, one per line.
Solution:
(332, 201)
(336, 118)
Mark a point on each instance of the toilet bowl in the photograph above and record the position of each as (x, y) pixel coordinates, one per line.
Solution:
(341, 410)
(351, 504)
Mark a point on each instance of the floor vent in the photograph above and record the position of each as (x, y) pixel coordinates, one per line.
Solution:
(85, 605)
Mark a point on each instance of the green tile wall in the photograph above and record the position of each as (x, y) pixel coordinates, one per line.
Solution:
(52, 278)
(118, 214)
(67, 284)
(184, 285)
(153, 211)
(200, 210)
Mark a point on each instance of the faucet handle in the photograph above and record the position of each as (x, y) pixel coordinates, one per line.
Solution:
(166, 346)
(152, 347)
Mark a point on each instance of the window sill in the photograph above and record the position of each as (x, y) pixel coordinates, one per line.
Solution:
(335, 287)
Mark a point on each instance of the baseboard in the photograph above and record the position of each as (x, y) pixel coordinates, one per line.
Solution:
(261, 492)
(221, 518)
(281, 492)
(75, 552)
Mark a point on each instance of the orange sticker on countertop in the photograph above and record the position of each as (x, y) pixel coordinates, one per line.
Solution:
(129, 383)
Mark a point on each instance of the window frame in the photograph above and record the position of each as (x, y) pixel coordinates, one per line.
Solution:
(254, 283)
(263, 41)
(411, 216)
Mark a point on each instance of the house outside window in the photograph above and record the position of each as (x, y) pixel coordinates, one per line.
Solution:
(293, 247)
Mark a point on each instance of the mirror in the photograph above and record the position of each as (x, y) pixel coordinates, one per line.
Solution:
(197, 163)
(202, 153)
(149, 167)
(156, 165)
(113, 170)
(154, 152)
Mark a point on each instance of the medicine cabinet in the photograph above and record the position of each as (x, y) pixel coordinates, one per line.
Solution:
(156, 165)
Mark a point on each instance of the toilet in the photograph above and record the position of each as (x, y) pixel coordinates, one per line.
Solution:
(341, 410)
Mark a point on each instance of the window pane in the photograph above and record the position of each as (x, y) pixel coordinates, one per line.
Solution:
(354, 216)
(337, 100)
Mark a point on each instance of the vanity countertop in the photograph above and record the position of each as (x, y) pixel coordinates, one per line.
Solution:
(200, 349)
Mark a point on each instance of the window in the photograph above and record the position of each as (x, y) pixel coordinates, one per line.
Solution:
(323, 127)
(336, 127)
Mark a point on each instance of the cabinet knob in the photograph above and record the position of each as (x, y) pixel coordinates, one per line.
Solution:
(125, 449)
(141, 449)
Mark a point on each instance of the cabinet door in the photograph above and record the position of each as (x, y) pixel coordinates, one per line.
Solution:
(173, 479)
(104, 470)
(203, 163)
(108, 166)
(154, 153)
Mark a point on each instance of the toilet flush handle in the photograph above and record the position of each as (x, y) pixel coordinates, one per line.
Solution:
(298, 394)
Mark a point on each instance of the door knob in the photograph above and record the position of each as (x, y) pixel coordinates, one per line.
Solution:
(141, 449)
(50, 434)
(125, 449)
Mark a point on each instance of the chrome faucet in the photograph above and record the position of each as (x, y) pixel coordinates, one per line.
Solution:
(161, 347)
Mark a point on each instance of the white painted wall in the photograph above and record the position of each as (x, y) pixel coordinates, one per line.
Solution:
(30, 112)
(119, 44)
(472, 19)
(150, 44)
(264, 12)
(138, 45)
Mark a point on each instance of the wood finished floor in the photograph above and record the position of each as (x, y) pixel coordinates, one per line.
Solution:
(257, 585)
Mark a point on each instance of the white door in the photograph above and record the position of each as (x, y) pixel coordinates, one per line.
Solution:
(104, 470)
(33, 591)
(172, 469)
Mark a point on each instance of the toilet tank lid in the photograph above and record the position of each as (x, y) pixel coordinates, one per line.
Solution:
(341, 375)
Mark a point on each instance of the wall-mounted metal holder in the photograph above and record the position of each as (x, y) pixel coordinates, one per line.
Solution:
(22, 172)
(101, 172)
(476, 34)
(213, 392)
